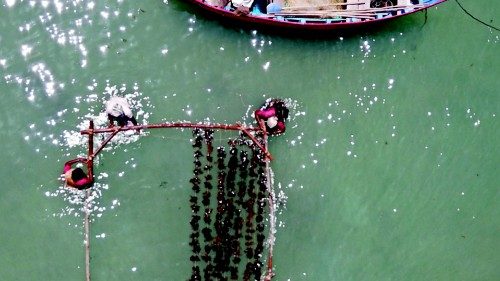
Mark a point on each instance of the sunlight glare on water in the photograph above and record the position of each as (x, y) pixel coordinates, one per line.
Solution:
(388, 169)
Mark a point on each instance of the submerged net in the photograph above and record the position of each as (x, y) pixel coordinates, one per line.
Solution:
(229, 196)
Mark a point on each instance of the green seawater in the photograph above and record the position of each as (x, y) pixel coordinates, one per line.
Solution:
(389, 169)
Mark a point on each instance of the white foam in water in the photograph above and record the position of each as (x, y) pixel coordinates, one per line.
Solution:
(266, 65)
(69, 140)
(10, 3)
(272, 212)
(277, 203)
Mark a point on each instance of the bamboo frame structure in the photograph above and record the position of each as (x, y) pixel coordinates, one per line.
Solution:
(91, 154)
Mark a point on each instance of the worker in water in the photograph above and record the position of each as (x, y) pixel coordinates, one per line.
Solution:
(118, 110)
(273, 113)
(76, 177)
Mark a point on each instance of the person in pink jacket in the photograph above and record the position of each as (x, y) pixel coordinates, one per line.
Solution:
(273, 113)
(76, 177)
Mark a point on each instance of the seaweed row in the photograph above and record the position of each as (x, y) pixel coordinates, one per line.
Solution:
(207, 218)
(237, 231)
(195, 207)
(256, 190)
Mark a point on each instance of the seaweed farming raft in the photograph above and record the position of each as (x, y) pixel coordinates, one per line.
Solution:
(231, 185)
(232, 236)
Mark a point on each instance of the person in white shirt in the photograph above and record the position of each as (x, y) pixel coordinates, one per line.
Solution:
(118, 110)
(242, 7)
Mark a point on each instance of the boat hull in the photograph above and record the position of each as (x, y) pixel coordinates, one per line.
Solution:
(288, 27)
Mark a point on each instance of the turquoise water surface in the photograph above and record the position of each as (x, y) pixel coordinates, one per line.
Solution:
(388, 169)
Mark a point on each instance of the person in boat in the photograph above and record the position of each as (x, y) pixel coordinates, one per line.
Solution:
(273, 114)
(218, 3)
(118, 110)
(76, 177)
(242, 7)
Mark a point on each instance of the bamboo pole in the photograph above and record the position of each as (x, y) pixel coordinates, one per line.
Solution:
(87, 237)
(327, 15)
(263, 148)
(332, 13)
(103, 144)
(322, 6)
(90, 168)
(90, 158)
(360, 13)
(116, 130)
(236, 127)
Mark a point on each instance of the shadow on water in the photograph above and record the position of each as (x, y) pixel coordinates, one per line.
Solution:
(409, 23)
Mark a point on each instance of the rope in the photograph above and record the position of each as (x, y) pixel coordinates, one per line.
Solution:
(425, 19)
(478, 20)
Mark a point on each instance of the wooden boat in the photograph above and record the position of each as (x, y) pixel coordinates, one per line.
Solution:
(310, 15)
